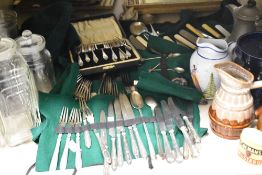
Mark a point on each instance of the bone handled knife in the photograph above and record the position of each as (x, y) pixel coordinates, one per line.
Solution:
(167, 149)
(111, 118)
(169, 125)
(121, 131)
(177, 112)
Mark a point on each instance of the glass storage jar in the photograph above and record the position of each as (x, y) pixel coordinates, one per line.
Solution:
(8, 23)
(18, 96)
(32, 47)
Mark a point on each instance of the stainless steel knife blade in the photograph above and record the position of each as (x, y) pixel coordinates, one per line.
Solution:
(128, 108)
(167, 115)
(160, 119)
(111, 118)
(103, 134)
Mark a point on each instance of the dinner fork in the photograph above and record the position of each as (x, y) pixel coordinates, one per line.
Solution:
(70, 122)
(77, 123)
(62, 123)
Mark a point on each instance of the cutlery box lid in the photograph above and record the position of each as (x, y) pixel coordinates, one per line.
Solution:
(100, 34)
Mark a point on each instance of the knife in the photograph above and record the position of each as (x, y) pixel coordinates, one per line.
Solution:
(169, 125)
(211, 30)
(168, 152)
(222, 30)
(103, 137)
(188, 118)
(120, 130)
(192, 38)
(132, 137)
(176, 112)
(111, 118)
(130, 115)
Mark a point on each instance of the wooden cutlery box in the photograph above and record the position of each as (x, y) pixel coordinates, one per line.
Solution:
(103, 47)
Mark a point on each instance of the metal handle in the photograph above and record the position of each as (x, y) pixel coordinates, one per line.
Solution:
(179, 155)
(159, 147)
(222, 30)
(54, 159)
(193, 150)
(113, 154)
(150, 145)
(168, 152)
(133, 142)
(106, 168)
(63, 161)
(120, 158)
(192, 130)
(185, 151)
(128, 156)
(78, 160)
(140, 143)
(103, 149)
(88, 141)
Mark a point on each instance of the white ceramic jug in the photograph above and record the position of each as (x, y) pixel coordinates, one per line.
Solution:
(208, 53)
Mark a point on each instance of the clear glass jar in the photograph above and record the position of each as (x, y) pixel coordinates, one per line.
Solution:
(8, 23)
(32, 47)
(18, 95)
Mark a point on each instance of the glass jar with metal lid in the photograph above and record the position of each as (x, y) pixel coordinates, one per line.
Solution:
(18, 95)
(32, 47)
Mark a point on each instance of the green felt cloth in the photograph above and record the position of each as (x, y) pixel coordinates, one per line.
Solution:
(62, 95)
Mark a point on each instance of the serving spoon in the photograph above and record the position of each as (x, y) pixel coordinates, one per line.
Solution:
(152, 104)
(138, 103)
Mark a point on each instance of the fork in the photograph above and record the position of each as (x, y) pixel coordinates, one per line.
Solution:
(63, 161)
(62, 123)
(77, 123)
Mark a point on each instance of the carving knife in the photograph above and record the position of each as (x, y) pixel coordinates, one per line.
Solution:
(176, 112)
(121, 130)
(168, 152)
(130, 115)
(169, 125)
(111, 118)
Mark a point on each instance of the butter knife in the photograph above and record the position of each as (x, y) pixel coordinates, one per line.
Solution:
(112, 134)
(130, 115)
(168, 152)
(176, 112)
(169, 125)
(121, 130)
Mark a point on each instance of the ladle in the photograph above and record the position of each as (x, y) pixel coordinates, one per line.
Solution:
(138, 103)
(152, 104)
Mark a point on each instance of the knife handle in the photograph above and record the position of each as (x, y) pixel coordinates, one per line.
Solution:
(133, 142)
(191, 146)
(150, 145)
(106, 168)
(194, 30)
(140, 143)
(192, 130)
(184, 41)
(211, 31)
(222, 30)
(88, 141)
(113, 154)
(103, 148)
(168, 152)
(120, 158)
(127, 152)
(179, 155)
(159, 147)
(63, 161)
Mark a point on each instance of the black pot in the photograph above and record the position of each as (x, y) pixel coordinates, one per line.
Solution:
(249, 53)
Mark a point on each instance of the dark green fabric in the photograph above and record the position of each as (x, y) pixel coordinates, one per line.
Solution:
(62, 95)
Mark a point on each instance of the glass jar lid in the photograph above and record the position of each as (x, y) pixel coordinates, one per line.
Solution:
(30, 43)
(7, 48)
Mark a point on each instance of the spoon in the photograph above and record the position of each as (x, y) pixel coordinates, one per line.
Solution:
(138, 103)
(137, 28)
(152, 104)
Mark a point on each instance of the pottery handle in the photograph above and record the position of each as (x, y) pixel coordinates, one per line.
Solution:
(256, 84)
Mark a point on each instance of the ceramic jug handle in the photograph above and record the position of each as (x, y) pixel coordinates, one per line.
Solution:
(256, 84)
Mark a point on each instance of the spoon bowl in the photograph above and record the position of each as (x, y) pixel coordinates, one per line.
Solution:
(151, 103)
(136, 100)
(137, 28)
